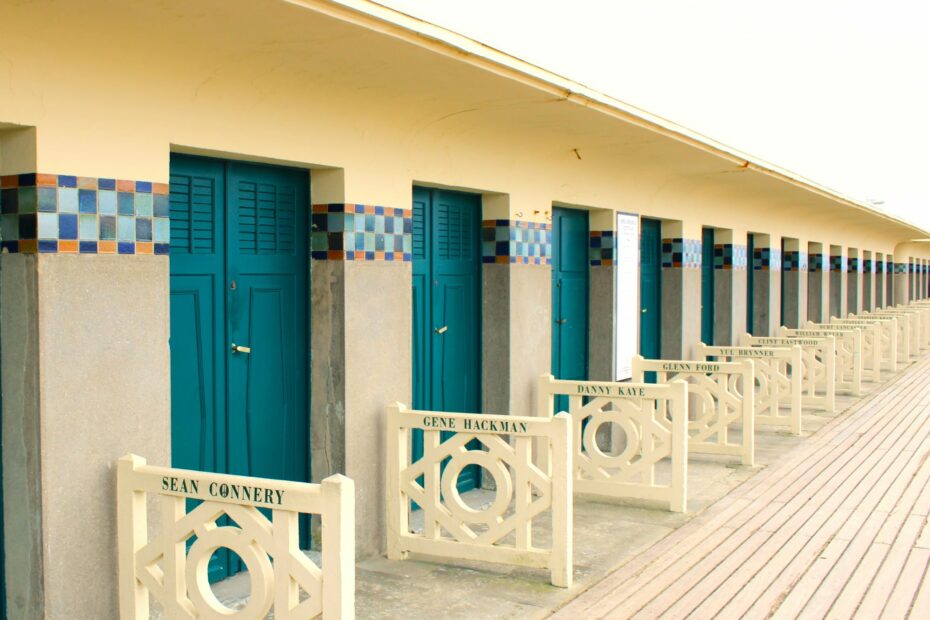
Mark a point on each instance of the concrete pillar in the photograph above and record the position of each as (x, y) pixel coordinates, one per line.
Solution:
(681, 290)
(794, 283)
(911, 278)
(878, 266)
(837, 281)
(602, 282)
(729, 286)
(767, 285)
(901, 283)
(85, 379)
(817, 285)
(854, 283)
(889, 279)
(868, 302)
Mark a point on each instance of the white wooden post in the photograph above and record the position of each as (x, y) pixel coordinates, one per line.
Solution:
(132, 532)
(338, 534)
(562, 502)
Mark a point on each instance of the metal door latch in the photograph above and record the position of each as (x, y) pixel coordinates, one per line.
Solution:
(442, 330)
(238, 348)
(561, 321)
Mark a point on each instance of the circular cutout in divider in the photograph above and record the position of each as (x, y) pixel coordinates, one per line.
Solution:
(261, 574)
(453, 499)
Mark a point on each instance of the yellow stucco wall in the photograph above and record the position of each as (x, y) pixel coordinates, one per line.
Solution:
(112, 89)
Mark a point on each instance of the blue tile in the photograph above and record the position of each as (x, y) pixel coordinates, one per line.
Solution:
(144, 205)
(125, 228)
(161, 248)
(48, 226)
(47, 199)
(88, 247)
(144, 187)
(125, 203)
(67, 200)
(9, 227)
(107, 228)
(107, 202)
(66, 180)
(160, 205)
(67, 226)
(9, 200)
(143, 229)
(87, 201)
(126, 247)
(106, 184)
(9, 246)
(87, 225)
(48, 246)
(161, 229)
(27, 179)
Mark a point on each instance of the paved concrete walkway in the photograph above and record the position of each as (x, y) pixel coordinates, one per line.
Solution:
(838, 529)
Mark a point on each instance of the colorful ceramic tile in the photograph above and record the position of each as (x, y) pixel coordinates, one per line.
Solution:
(67, 200)
(67, 226)
(87, 227)
(143, 229)
(87, 201)
(107, 227)
(161, 229)
(47, 199)
(106, 202)
(28, 202)
(125, 203)
(143, 204)
(47, 226)
(125, 228)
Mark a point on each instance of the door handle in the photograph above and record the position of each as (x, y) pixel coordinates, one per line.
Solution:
(238, 348)
(442, 330)
(644, 310)
(561, 321)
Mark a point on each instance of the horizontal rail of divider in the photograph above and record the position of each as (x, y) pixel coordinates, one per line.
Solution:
(871, 344)
(818, 366)
(717, 402)
(502, 532)
(890, 336)
(653, 419)
(777, 379)
(848, 354)
(278, 570)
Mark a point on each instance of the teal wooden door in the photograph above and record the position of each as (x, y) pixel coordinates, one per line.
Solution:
(239, 277)
(707, 286)
(447, 307)
(569, 295)
(650, 289)
(750, 283)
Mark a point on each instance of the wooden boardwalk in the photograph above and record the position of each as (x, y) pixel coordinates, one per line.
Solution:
(839, 529)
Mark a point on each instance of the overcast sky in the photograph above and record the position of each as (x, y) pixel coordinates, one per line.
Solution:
(837, 91)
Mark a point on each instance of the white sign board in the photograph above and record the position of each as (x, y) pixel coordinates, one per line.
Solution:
(626, 314)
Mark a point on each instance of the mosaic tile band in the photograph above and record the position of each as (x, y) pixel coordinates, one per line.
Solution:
(355, 232)
(603, 248)
(66, 214)
(517, 242)
(837, 263)
(866, 265)
(681, 253)
(900, 267)
(766, 259)
(794, 260)
(815, 263)
(854, 266)
(729, 256)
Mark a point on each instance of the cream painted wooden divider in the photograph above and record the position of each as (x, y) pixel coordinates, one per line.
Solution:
(502, 532)
(922, 320)
(818, 364)
(848, 354)
(652, 419)
(717, 390)
(280, 573)
(890, 337)
(912, 321)
(871, 344)
(923, 306)
(778, 375)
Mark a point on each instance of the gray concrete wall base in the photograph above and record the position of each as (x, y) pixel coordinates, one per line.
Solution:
(879, 295)
(730, 305)
(495, 345)
(900, 292)
(22, 491)
(85, 363)
(530, 333)
(681, 314)
(378, 371)
(795, 302)
(601, 322)
(766, 306)
(837, 296)
(867, 299)
(853, 292)
(815, 290)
